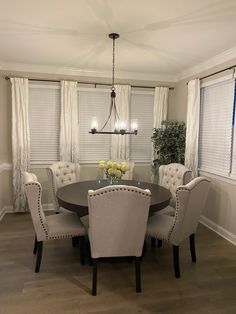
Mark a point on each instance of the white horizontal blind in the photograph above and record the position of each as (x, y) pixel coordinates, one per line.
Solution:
(44, 122)
(233, 163)
(216, 127)
(93, 103)
(142, 110)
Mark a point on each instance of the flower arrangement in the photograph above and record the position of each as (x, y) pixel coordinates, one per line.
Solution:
(113, 170)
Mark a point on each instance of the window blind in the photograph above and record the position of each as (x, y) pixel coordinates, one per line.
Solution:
(44, 122)
(215, 136)
(142, 110)
(93, 103)
(233, 162)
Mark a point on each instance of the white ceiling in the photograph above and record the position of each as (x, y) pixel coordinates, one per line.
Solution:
(156, 36)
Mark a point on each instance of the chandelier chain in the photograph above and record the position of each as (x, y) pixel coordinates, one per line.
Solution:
(113, 64)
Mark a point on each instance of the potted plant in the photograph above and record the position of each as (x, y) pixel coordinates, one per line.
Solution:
(169, 144)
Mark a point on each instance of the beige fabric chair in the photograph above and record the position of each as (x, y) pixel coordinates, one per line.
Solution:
(190, 201)
(129, 174)
(171, 177)
(61, 174)
(117, 223)
(65, 225)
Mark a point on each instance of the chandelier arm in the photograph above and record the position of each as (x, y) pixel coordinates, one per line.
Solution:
(109, 115)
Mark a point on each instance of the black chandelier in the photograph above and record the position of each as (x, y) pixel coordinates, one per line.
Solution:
(120, 126)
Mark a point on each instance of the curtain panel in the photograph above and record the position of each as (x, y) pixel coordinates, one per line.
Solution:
(69, 128)
(192, 127)
(20, 140)
(159, 109)
(120, 143)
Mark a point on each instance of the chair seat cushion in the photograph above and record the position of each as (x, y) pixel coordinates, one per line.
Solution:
(64, 225)
(159, 226)
(169, 210)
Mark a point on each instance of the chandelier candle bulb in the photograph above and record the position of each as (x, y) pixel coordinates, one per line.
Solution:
(134, 125)
(94, 125)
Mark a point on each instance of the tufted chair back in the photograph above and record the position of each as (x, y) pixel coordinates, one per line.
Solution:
(190, 202)
(33, 192)
(172, 176)
(60, 174)
(117, 220)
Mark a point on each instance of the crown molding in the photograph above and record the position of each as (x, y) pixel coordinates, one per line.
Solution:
(55, 70)
(208, 64)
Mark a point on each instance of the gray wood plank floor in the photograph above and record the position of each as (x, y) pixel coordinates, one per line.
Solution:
(64, 286)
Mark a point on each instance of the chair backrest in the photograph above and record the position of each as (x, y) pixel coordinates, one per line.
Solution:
(117, 220)
(60, 174)
(172, 176)
(190, 201)
(33, 190)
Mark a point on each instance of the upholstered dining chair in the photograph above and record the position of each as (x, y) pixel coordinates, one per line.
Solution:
(61, 174)
(64, 225)
(171, 176)
(190, 201)
(117, 223)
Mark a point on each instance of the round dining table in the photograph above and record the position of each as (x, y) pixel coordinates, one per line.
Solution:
(74, 196)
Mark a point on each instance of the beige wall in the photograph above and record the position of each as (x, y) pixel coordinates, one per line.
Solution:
(221, 208)
(141, 172)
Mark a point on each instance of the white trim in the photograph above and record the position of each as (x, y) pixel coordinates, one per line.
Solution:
(5, 166)
(229, 236)
(10, 66)
(218, 80)
(208, 64)
(219, 177)
(6, 210)
(9, 209)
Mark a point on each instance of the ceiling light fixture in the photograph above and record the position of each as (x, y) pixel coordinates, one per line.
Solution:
(120, 126)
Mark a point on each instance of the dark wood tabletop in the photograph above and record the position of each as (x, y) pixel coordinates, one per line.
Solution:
(74, 196)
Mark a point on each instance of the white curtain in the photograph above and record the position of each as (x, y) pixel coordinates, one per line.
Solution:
(120, 143)
(159, 108)
(20, 140)
(192, 131)
(69, 129)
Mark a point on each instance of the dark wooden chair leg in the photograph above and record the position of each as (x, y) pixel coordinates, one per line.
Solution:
(159, 243)
(35, 246)
(95, 268)
(176, 260)
(82, 250)
(138, 273)
(39, 256)
(74, 241)
(153, 242)
(192, 248)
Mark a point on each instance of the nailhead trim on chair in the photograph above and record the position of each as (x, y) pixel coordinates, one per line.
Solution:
(39, 212)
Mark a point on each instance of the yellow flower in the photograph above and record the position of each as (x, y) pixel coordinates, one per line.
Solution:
(118, 166)
(102, 164)
(118, 173)
(111, 171)
(124, 167)
(109, 163)
(114, 166)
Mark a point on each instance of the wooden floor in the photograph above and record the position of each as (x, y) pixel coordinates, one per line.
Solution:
(64, 286)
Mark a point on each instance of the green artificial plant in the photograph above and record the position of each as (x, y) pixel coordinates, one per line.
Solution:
(169, 143)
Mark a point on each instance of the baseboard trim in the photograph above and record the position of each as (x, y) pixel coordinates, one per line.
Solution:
(229, 236)
(9, 209)
(6, 210)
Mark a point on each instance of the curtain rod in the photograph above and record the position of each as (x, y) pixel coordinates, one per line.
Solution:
(90, 83)
(217, 72)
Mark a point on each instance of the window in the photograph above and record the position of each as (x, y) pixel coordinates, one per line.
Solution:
(93, 102)
(142, 110)
(216, 128)
(44, 122)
